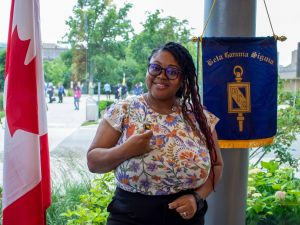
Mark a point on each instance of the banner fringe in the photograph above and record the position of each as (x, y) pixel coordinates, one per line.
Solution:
(245, 143)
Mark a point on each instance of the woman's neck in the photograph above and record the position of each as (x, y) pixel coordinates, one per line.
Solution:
(162, 106)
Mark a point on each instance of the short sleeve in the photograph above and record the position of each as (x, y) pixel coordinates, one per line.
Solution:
(211, 119)
(115, 115)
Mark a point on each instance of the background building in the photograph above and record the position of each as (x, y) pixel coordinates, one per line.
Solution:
(50, 51)
(291, 72)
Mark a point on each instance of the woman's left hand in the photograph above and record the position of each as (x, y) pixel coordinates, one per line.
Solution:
(185, 205)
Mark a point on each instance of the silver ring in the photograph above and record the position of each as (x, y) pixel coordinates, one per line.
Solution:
(184, 214)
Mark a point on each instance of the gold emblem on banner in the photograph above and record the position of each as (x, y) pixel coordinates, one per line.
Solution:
(239, 96)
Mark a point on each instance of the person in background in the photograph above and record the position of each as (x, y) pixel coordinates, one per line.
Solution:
(61, 93)
(77, 96)
(50, 92)
(124, 91)
(107, 90)
(118, 91)
(138, 89)
(162, 147)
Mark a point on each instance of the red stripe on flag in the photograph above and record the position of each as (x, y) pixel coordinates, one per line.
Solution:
(30, 209)
(45, 167)
(26, 210)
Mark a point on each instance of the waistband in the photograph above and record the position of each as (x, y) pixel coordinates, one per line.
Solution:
(135, 195)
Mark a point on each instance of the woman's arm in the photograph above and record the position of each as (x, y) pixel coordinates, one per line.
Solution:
(205, 189)
(186, 205)
(103, 154)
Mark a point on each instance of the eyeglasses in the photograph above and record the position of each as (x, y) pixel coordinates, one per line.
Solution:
(171, 72)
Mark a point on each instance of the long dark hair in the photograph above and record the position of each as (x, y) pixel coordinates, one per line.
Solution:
(189, 94)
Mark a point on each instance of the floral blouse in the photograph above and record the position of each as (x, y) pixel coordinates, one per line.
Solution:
(179, 159)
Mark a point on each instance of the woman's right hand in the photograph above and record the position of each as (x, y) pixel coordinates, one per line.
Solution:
(139, 144)
(105, 155)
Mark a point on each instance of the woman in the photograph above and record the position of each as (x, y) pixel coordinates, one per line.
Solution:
(77, 95)
(161, 145)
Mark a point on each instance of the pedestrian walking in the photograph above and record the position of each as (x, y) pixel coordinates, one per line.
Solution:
(61, 93)
(77, 95)
(107, 90)
(50, 92)
(118, 91)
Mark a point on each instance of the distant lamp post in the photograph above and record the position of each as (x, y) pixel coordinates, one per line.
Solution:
(89, 75)
(124, 80)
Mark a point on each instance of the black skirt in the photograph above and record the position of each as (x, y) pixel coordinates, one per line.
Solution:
(128, 208)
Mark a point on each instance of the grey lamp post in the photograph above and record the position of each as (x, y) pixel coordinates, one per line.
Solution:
(230, 18)
(89, 74)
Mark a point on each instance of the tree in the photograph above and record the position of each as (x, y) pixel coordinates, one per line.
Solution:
(55, 71)
(2, 68)
(79, 65)
(100, 28)
(157, 31)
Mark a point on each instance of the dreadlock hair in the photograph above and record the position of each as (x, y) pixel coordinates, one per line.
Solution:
(189, 94)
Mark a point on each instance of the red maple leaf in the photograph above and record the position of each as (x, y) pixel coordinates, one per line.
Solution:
(21, 100)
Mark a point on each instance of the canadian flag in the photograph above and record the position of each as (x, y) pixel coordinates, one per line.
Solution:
(26, 169)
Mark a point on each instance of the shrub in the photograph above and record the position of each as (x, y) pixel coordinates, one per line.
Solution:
(70, 92)
(273, 195)
(2, 114)
(62, 200)
(104, 104)
(70, 180)
(92, 207)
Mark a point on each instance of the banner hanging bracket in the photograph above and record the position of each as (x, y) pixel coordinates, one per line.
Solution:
(276, 37)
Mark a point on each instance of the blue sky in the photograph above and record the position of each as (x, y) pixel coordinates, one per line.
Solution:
(285, 17)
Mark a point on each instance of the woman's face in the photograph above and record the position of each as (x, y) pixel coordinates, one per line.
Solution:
(160, 87)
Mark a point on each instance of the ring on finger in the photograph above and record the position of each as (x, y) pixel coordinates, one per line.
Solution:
(184, 214)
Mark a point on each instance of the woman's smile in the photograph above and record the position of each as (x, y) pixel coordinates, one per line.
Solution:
(160, 85)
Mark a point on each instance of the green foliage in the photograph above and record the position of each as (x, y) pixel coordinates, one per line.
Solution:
(105, 69)
(92, 207)
(55, 71)
(2, 114)
(288, 97)
(67, 57)
(130, 68)
(2, 68)
(1, 102)
(288, 126)
(70, 180)
(103, 104)
(70, 93)
(88, 123)
(63, 198)
(157, 31)
(79, 65)
(105, 46)
(273, 195)
(101, 32)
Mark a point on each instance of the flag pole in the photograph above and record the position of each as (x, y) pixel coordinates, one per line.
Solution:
(232, 189)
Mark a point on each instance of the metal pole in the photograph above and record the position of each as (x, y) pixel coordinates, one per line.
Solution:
(91, 78)
(99, 91)
(298, 61)
(230, 18)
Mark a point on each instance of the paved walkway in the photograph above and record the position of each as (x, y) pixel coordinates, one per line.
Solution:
(68, 140)
(63, 121)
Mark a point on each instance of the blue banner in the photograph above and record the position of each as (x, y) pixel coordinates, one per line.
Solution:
(240, 88)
